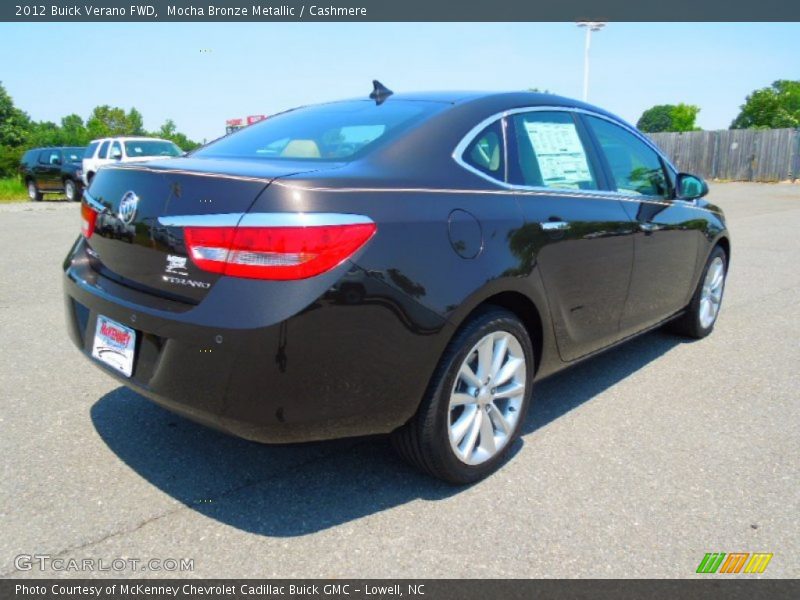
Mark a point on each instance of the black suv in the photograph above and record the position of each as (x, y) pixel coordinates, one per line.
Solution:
(53, 171)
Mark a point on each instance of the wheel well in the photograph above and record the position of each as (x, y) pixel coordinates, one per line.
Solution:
(725, 244)
(526, 311)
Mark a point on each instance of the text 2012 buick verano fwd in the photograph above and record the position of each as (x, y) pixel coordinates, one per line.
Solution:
(405, 264)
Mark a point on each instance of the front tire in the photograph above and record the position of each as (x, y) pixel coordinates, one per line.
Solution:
(476, 402)
(33, 192)
(71, 190)
(701, 315)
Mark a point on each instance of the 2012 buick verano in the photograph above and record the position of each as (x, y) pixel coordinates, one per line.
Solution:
(405, 264)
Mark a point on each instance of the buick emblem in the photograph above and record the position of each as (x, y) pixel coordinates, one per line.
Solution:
(127, 207)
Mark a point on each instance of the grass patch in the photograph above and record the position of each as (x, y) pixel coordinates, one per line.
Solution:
(12, 190)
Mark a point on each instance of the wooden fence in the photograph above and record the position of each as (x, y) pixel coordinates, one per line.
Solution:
(735, 154)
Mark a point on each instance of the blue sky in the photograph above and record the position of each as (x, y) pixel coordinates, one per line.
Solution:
(201, 74)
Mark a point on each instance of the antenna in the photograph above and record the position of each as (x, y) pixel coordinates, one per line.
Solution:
(379, 92)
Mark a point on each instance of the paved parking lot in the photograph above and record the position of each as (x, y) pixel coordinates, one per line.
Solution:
(634, 464)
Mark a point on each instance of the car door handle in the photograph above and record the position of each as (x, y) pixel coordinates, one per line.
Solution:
(554, 225)
(649, 227)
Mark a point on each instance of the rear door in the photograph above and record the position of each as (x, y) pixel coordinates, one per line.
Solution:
(668, 230)
(579, 236)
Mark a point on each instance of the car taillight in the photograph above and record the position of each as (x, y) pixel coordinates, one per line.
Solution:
(280, 252)
(88, 219)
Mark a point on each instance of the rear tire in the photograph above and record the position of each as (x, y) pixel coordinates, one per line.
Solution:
(33, 192)
(476, 402)
(701, 315)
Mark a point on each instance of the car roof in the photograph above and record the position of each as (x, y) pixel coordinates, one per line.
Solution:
(493, 101)
(127, 138)
(502, 100)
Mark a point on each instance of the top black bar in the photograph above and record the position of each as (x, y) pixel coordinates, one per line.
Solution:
(398, 10)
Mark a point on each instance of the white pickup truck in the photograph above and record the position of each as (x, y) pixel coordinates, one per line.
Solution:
(124, 149)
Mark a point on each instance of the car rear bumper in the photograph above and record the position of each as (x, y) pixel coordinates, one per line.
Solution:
(339, 355)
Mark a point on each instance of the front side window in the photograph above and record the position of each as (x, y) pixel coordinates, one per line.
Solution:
(635, 167)
(103, 150)
(551, 153)
(116, 150)
(486, 153)
(328, 132)
(73, 155)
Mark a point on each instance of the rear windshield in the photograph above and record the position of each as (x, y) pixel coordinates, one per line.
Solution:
(151, 148)
(73, 154)
(90, 150)
(331, 132)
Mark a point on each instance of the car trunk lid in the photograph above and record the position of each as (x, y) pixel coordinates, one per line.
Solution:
(130, 243)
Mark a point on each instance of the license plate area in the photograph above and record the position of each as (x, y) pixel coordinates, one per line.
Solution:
(114, 345)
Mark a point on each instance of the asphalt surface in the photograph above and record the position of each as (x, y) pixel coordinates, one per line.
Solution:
(634, 464)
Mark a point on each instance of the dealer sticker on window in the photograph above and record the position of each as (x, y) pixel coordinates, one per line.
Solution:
(114, 345)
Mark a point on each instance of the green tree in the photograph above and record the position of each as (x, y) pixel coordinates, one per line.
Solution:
(683, 117)
(73, 131)
(135, 122)
(169, 131)
(14, 124)
(669, 117)
(15, 128)
(44, 133)
(107, 121)
(774, 107)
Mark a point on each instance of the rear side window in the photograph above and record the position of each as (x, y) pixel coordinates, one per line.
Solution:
(103, 150)
(90, 150)
(326, 132)
(551, 153)
(50, 157)
(486, 153)
(635, 167)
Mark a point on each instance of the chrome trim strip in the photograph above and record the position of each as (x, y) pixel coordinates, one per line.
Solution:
(170, 171)
(459, 150)
(278, 219)
(211, 220)
(94, 204)
(300, 219)
(605, 195)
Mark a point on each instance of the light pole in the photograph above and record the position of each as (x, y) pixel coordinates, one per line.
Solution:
(590, 27)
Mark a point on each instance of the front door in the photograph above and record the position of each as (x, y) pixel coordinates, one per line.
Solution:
(668, 236)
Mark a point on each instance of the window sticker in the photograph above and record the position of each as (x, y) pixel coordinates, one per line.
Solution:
(562, 159)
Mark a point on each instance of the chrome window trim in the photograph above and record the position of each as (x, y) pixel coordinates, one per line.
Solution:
(278, 219)
(459, 150)
(93, 203)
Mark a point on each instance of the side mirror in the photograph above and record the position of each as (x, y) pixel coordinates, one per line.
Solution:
(690, 187)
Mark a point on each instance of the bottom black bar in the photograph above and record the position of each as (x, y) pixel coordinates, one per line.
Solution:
(380, 589)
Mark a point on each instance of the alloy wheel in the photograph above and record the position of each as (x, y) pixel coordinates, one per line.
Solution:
(486, 400)
(69, 190)
(711, 294)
